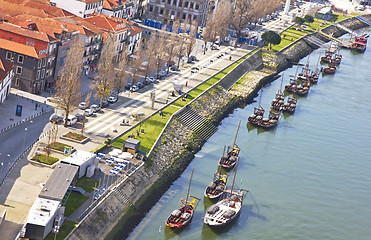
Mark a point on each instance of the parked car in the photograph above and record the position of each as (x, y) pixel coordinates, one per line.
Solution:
(53, 99)
(104, 104)
(151, 79)
(56, 119)
(174, 68)
(71, 120)
(95, 108)
(140, 84)
(135, 88)
(128, 86)
(194, 69)
(193, 58)
(162, 73)
(112, 99)
(214, 47)
(89, 112)
(83, 105)
(79, 117)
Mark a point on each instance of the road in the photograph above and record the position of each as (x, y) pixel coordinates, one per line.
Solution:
(12, 141)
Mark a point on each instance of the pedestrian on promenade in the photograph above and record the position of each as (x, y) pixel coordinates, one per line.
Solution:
(230, 58)
(186, 83)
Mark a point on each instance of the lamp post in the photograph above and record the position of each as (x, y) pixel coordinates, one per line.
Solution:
(24, 139)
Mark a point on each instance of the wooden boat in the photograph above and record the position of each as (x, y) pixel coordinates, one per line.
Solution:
(313, 77)
(279, 99)
(227, 209)
(271, 121)
(229, 159)
(290, 105)
(216, 188)
(291, 86)
(359, 44)
(257, 116)
(183, 215)
(327, 58)
(330, 69)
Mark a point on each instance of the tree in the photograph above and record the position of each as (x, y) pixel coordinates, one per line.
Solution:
(104, 82)
(180, 49)
(191, 40)
(149, 54)
(135, 66)
(171, 43)
(68, 84)
(309, 19)
(159, 52)
(243, 14)
(271, 37)
(122, 73)
(299, 21)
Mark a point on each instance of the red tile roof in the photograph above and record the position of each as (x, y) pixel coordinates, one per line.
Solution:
(51, 11)
(20, 48)
(107, 23)
(14, 9)
(5, 68)
(135, 30)
(26, 32)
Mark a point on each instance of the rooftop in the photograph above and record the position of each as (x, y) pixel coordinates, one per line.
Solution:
(108, 23)
(42, 211)
(26, 32)
(59, 181)
(20, 48)
(78, 158)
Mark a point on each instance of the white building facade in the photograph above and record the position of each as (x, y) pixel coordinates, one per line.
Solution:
(81, 8)
(6, 76)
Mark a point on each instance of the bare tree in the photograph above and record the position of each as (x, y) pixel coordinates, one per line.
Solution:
(191, 40)
(180, 49)
(104, 82)
(135, 66)
(68, 84)
(87, 101)
(159, 52)
(243, 14)
(149, 54)
(122, 73)
(171, 43)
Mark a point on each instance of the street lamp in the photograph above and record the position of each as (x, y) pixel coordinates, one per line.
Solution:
(24, 139)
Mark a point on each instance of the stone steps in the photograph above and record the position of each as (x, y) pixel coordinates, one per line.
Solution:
(120, 195)
(192, 120)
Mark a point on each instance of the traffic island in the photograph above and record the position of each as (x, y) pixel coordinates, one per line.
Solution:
(75, 137)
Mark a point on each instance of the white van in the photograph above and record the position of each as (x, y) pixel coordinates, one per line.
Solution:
(71, 120)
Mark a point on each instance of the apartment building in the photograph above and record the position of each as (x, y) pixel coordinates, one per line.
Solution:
(6, 76)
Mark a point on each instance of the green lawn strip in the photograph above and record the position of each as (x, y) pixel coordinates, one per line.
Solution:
(66, 228)
(87, 184)
(152, 128)
(337, 17)
(42, 158)
(74, 201)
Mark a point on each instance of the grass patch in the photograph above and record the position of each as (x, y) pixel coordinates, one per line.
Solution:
(74, 136)
(74, 201)
(86, 183)
(337, 17)
(42, 158)
(58, 146)
(66, 228)
(152, 128)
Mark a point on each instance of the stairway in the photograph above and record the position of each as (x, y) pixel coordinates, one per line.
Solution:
(194, 121)
(120, 195)
(345, 29)
(314, 40)
(363, 20)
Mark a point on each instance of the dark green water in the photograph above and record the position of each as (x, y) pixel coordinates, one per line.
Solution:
(310, 178)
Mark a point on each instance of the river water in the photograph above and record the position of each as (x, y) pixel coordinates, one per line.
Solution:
(310, 178)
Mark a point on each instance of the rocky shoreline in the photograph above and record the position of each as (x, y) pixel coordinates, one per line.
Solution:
(124, 207)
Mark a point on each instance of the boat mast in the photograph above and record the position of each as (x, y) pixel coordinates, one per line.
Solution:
(234, 178)
(281, 82)
(189, 186)
(235, 138)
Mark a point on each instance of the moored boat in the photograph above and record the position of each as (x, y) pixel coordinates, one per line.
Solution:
(257, 116)
(183, 215)
(271, 121)
(279, 99)
(227, 209)
(359, 44)
(229, 159)
(216, 188)
(290, 105)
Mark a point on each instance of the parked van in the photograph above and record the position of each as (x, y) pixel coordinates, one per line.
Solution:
(71, 120)
(95, 108)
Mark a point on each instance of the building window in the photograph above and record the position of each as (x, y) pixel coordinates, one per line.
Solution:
(184, 16)
(39, 64)
(17, 82)
(19, 70)
(11, 39)
(161, 11)
(44, 62)
(42, 73)
(197, 6)
(38, 75)
(167, 12)
(180, 3)
(8, 55)
(191, 5)
(186, 4)
(169, 2)
(151, 8)
(20, 58)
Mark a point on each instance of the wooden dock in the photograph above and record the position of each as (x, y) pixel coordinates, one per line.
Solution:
(347, 43)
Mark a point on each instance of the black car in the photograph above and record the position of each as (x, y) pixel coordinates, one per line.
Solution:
(79, 117)
(56, 119)
(104, 104)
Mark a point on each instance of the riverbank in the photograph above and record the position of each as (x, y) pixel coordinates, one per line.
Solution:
(129, 202)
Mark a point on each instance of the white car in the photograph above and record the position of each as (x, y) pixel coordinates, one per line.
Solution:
(88, 112)
(95, 108)
(151, 79)
(112, 99)
(82, 105)
(135, 88)
(71, 120)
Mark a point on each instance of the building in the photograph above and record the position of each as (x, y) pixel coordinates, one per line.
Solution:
(124, 31)
(119, 8)
(324, 13)
(82, 160)
(81, 8)
(167, 11)
(6, 76)
(41, 217)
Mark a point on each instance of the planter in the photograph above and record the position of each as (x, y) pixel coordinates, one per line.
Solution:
(75, 137)
(59, 147)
